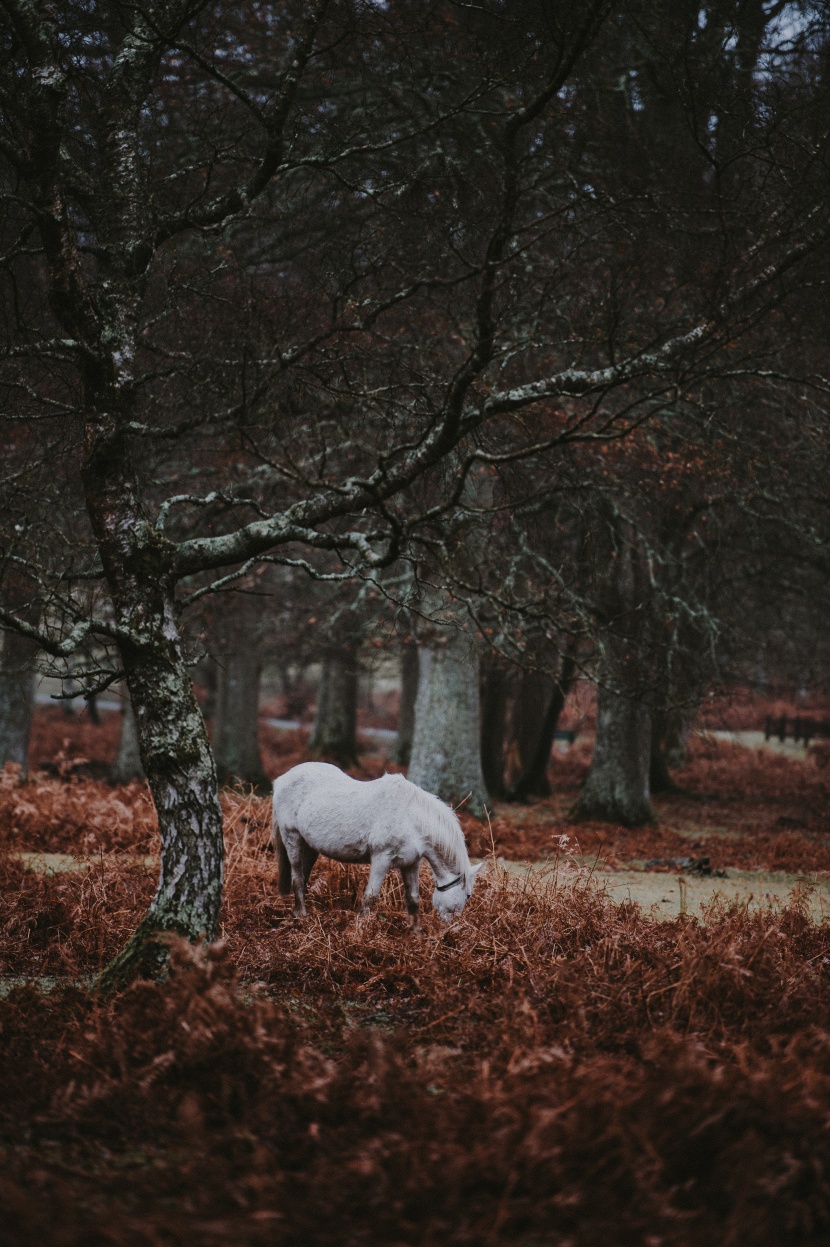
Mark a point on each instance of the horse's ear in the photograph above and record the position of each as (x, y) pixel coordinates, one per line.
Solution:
(476, 869)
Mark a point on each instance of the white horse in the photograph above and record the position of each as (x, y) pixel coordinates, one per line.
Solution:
(387, 822)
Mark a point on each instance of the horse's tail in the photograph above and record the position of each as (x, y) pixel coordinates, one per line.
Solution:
(282, 857)
(285, 867)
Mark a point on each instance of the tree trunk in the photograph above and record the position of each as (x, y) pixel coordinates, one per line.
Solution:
(175, 752)
(236, 722)
(676, 737)
(335, 723)
(17, 697)
(530, 696)
(493, 716)
(180, 770)
(527, 716)
(660, 781)
(534, 781)
(127, 764)
(617, 787)
(409, 695)
(669, 738)
(446, 750)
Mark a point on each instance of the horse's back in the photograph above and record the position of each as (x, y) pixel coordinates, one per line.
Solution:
(339, 815)
(308, 773)
(314, 781)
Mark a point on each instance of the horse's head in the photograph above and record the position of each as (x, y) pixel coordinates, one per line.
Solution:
(450, 898)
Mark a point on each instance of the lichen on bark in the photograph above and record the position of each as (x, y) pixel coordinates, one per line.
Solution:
(182, 777)
(175, 751)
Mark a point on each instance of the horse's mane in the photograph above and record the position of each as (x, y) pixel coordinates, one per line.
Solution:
(438, 823)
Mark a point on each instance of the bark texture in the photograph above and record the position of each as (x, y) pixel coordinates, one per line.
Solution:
(180, 771)
(17, 698)
(236, 722)
(335, 723)
(409, 695)
(446, 751)
(127, 764)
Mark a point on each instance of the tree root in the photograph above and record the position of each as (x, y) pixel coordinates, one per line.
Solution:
(144, 956)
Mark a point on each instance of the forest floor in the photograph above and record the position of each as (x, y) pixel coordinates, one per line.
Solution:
(553, 1068)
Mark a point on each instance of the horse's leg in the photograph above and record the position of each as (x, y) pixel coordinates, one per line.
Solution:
(297, 850)
(412, 891)
(379, 869)
(310, 856)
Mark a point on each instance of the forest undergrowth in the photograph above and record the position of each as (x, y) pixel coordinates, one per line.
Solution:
(550, 1069)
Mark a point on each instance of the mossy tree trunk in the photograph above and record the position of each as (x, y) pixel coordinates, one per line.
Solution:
(175, 752)
(446, 749)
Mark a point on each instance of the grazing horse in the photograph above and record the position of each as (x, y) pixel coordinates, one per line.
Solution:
(387, 822)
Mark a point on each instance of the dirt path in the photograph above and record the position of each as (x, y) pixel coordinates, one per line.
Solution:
(664, 895)
(661, 895)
